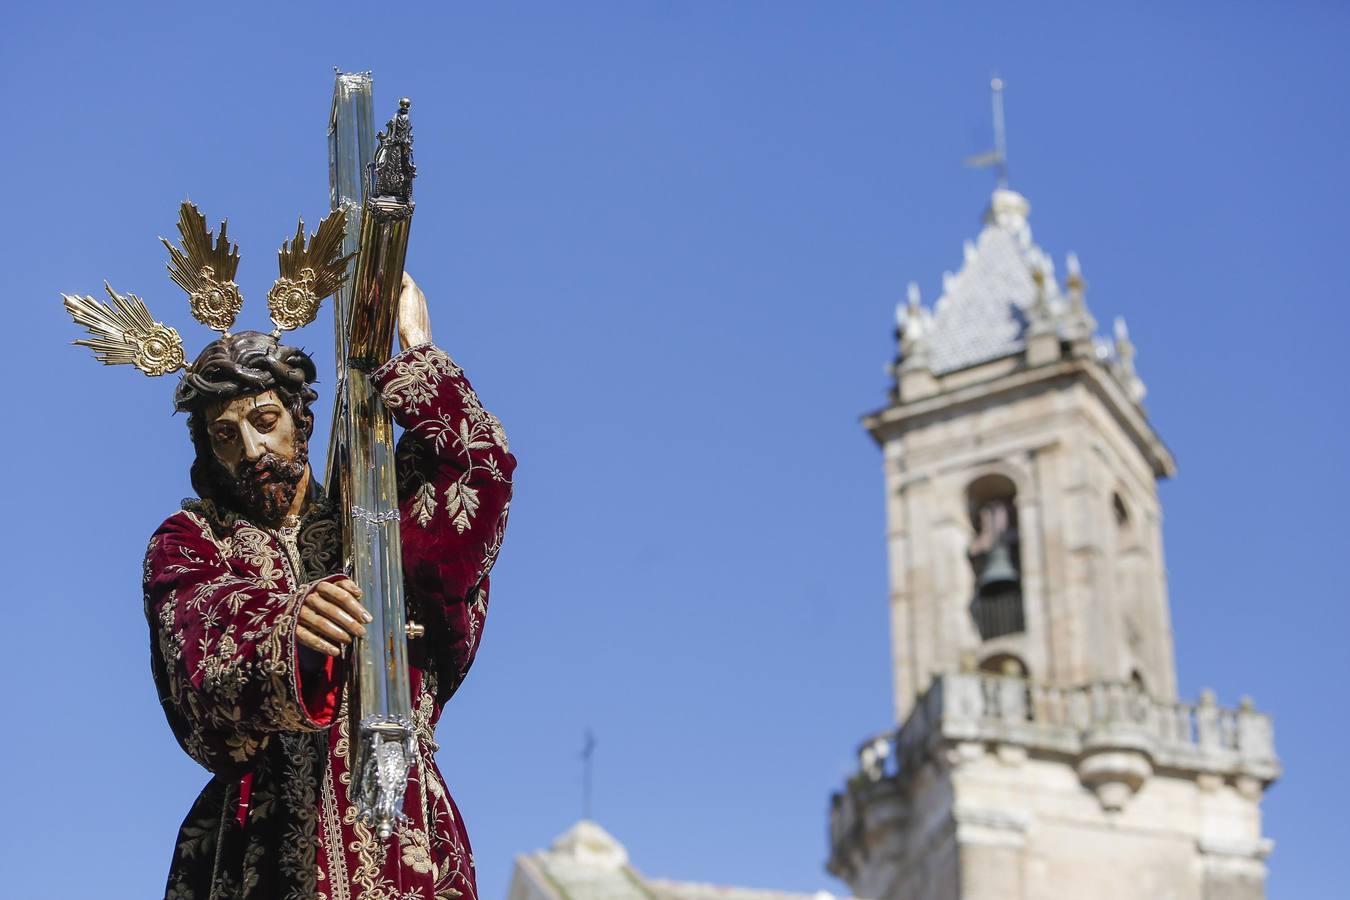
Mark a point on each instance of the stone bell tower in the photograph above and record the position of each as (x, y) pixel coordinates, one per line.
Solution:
(1041, 750)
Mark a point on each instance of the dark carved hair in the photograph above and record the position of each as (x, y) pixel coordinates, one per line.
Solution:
(239, 365)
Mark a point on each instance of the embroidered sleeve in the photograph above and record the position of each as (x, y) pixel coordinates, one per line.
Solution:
(455, 471)
(223, 650)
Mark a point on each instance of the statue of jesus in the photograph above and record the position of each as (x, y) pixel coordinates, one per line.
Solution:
(250, 620)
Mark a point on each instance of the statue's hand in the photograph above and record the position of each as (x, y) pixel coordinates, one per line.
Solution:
(414, 322)
(331, 616)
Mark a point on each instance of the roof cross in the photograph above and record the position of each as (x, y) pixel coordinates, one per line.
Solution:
(996, 159)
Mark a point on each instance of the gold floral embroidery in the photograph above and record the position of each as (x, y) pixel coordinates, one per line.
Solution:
(467, 436)
(208, 694)
(494, 546)
(370, 854)
(211, 522)
(461, 504)
(424, 504)
(254, 546)
(421, 716)
(297, 851)
(416, 850)
(319, 550)
(416, 375)
(473, 408)
(330, 821)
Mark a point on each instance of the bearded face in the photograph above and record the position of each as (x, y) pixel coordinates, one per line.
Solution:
(266, 489)
(261, 456)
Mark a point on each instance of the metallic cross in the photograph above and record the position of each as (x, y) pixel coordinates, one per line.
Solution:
(1000, 136)
(997, 159)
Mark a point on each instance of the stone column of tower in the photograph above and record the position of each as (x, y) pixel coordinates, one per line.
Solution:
(1042, 752)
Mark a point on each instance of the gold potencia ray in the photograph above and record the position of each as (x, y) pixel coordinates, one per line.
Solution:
(125, 334)
(205, 270)
(308, 273)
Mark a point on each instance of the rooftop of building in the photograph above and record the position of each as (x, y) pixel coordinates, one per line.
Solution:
(586, 862)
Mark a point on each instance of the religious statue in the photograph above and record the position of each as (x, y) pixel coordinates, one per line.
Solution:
(267, 639)
(393, 165)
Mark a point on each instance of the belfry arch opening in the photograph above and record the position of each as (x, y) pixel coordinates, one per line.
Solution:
(995, 555)
(1006, 664)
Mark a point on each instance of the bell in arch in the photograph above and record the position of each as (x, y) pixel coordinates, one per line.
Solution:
(998, 574)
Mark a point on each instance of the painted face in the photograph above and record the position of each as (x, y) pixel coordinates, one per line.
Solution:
(246, 429)
(256, 440)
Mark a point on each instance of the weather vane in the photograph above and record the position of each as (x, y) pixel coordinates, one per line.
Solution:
(997, 159)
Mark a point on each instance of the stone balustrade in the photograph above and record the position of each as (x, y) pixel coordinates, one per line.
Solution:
(974, 706)
(1114, 734)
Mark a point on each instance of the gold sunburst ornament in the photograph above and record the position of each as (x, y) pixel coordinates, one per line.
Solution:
(308, 273)
(125, 333)
(205, 270)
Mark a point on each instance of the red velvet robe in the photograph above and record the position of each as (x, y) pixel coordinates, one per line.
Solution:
(267, 718)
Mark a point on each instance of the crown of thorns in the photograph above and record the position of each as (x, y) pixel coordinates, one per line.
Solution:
(124, 333)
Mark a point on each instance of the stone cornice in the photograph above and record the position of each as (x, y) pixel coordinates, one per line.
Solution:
(891, 421)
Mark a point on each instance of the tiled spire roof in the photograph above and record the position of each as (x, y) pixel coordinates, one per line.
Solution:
(983, 311)
(1004, 296)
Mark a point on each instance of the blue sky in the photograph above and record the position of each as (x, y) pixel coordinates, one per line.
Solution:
(666, 241)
